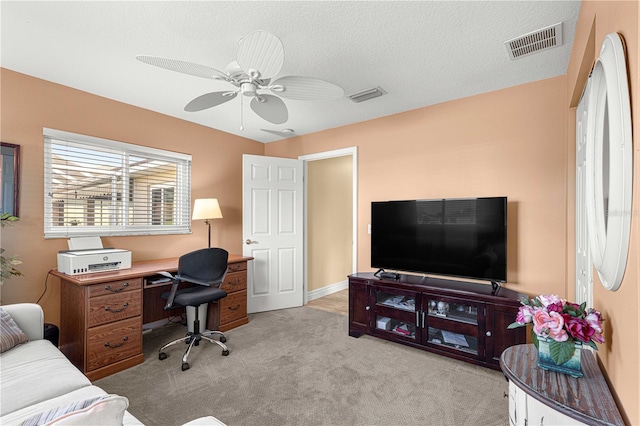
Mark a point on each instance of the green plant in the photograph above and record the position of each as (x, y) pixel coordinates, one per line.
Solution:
(8, 263)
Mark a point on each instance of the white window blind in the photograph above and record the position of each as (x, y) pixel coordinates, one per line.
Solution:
(101, 187)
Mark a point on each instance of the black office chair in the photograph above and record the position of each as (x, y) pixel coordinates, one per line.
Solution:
(207, 269)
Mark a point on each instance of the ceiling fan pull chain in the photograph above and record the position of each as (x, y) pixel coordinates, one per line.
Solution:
(241, 112)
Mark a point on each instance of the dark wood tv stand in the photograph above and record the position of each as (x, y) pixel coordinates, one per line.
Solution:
(463, 320)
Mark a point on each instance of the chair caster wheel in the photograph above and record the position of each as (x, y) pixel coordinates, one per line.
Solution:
(225, 352)
(162, 356)
(223, 339)
(185, 366)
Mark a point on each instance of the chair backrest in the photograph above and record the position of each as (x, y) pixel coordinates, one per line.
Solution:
(209, 264)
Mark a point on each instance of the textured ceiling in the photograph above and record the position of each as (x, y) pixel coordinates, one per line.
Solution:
(420, 52)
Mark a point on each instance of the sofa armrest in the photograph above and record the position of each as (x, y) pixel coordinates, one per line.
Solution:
(29, 317)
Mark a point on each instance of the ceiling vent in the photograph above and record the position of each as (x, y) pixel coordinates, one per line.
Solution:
(365, 95)
(536, 41)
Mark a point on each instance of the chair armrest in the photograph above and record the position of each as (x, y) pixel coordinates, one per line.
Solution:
(189, 279)
(165, 274)
(174, 287)
(29, 317)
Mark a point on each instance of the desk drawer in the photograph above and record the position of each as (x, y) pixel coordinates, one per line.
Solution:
(235, 267)
(113, 342)
(233, 307)
(114, 287)
(235, 282)
(114, 307)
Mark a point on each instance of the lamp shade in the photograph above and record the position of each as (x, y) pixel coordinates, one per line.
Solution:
(206, 208)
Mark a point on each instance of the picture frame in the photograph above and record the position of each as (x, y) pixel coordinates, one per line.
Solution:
(10, 179)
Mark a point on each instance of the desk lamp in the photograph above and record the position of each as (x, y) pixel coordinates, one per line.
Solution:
(207, 209)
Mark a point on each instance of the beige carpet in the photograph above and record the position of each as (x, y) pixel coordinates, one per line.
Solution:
(299, 367)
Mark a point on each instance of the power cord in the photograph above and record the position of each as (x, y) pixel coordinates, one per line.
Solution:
(46, 280)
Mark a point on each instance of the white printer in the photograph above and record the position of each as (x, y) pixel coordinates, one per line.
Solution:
(86, 255)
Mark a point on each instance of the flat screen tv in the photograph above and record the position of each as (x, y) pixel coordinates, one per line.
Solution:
(461, 237)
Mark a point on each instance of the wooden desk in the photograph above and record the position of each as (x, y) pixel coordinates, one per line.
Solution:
(101, 314)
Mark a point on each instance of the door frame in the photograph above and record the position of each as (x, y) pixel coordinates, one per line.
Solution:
(343, 152)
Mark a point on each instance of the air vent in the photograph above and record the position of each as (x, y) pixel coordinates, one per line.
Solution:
(365, 95)
(536, 41)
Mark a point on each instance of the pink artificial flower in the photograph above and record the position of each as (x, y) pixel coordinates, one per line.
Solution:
(548, 299)
(525, 314)
(578, 328)
(594, 319)
(597, 337)
(549, 324)
(554, 307)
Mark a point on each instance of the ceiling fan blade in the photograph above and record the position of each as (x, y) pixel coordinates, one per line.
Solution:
(209, 100)
(183, 67)
(306, 89)
(261, 51)
(270, 108)
(282, 134)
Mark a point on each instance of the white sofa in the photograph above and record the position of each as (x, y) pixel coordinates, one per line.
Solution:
(36, 378)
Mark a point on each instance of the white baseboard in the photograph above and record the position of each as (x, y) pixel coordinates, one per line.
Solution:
(327, 290)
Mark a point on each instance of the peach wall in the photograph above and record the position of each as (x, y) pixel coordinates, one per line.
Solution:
(505, 143)
(329, 221)
(620, 353)
(29, 104)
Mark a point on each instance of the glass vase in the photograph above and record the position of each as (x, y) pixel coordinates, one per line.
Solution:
(572, 367)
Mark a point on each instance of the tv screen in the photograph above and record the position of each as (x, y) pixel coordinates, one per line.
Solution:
(462, 237)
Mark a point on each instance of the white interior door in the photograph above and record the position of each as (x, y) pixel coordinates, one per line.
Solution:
(584, 270)
(272, 226)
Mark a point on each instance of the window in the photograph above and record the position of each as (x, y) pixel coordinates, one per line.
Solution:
(101, 187)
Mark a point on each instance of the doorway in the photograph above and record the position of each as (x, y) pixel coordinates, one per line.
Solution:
(330, 221)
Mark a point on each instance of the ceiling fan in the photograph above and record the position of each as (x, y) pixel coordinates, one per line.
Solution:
(259, 58)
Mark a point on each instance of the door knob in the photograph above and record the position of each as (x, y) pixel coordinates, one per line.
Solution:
(248, 241)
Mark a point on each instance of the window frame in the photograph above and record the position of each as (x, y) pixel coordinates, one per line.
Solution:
(182, 191)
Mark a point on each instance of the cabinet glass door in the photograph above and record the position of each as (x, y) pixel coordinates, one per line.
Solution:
(452, 324)
(395, 312)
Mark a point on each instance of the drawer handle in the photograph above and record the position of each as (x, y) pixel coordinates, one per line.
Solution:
(115, 311)
(117, 345)
(116, 290)
(234, 308)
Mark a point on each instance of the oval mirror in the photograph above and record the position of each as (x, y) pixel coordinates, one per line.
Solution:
(609, 166)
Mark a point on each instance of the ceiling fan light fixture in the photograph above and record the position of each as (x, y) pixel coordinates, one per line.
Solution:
(248, 89)
(254, 74)
(233, 70)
